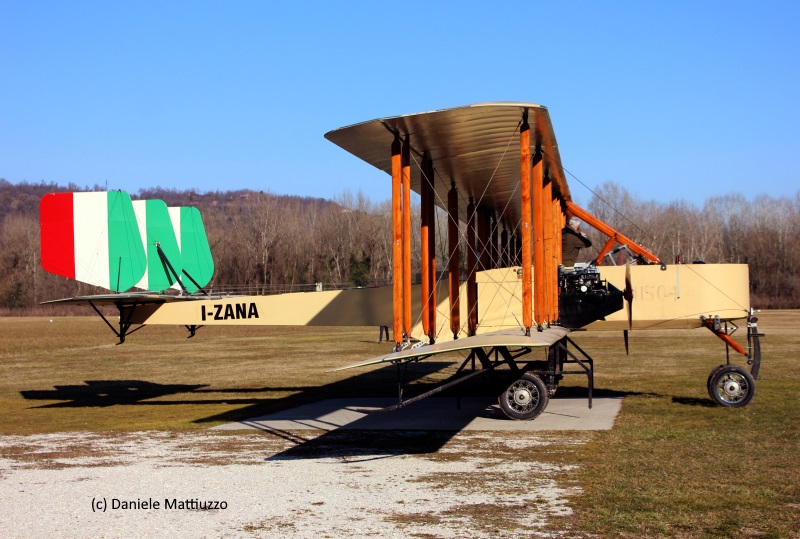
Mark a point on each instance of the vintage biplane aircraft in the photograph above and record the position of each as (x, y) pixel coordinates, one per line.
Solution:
(508, 305)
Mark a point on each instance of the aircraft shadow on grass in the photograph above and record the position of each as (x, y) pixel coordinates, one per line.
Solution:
(376, 383)
(356, 441)
(103, 393)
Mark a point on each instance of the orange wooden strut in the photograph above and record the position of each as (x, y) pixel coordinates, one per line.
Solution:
(432, 252)
(539, 276)
(504, 249)
(472, 289)
(558, 224)
(425, 182)
(397, 242)
(613, 235)
(493, 251)
(525, 202)
(455, 255)
(483, 242)
(548, 255)
(708, 323)
(406, 179)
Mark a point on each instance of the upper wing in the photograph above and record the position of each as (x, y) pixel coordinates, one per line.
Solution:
(474, 147)
(506, 337)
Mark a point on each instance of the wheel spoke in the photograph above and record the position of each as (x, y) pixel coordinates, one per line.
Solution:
(731, 385)
(524, 398)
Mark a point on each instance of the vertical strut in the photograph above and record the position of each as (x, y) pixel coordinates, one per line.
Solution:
(548, 257)
(472, 288)
(504, 249)
(455, 255)
(483, 240)
(525, 201)
(432, 252)
(406, 179)
(539, 278)
(559, 222)
(426, 199)
(397, 242)
(493, 251)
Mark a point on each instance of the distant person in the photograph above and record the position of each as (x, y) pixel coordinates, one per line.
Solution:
(572, 241)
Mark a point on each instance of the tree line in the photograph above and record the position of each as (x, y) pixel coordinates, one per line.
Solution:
(267, 243)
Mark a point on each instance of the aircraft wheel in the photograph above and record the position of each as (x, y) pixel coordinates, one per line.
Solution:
(731, 386)
(710, 376)
(524, 399)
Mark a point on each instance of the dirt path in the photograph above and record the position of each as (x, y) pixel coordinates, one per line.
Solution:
(283, 484)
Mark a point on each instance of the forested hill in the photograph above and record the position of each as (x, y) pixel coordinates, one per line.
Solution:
(24, 197)
(266, 243)
(260, 242)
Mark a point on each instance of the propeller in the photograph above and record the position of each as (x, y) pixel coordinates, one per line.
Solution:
(628, 295)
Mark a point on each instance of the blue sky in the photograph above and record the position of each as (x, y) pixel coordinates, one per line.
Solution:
(668, 99)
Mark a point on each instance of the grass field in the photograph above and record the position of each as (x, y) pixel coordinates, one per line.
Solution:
(675, 465)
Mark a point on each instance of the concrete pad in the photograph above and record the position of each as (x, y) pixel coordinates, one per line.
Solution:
(435, 414)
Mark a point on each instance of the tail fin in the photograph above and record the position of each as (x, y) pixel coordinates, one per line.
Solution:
(155, 226)
(92, 238)
(97, 238)
(198, 264)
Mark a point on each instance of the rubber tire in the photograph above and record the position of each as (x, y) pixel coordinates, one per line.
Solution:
(512, 399)
(710, 376)
(735, 374)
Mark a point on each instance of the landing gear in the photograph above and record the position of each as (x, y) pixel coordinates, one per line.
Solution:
(534, 379)
(731, 386)
(524, 399)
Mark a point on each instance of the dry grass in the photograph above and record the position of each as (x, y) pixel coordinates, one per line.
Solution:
(676, 466)
(673, 466)
(68, 374)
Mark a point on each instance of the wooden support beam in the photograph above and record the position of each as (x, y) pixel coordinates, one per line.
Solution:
(397, 241)
(483, 239)
(525, 201)
(539, 276)
(559, 222)
(613, 235)
(406, 162)
(432, 301)
(472, 266)
(549, 258)
(426, 199)
(494, 251)
(504, 249)
(455, 256)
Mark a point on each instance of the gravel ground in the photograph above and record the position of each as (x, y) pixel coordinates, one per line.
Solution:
(281, 484)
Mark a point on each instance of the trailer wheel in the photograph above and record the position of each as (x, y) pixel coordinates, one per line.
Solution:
(524, 399)
(731, 386)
